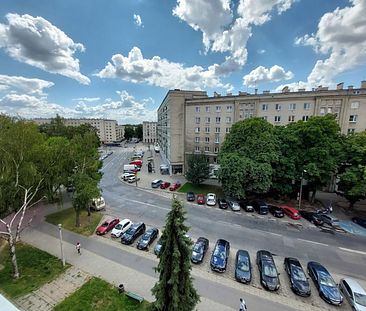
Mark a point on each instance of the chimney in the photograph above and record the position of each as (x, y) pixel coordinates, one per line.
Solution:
(350, 87)
(256, 91)
(363, 84)
(340, 86)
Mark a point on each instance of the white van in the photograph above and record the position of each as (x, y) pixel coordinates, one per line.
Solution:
(130, 168)
(98, 204)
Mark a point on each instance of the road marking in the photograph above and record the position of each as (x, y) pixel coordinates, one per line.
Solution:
(313, 242)
(274, 233)
(148, 204)
(352, 250)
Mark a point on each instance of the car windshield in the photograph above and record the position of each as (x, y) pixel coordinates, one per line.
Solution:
(147, 235)
(220, 252)
(269, 270)
(298, 274)
(118, 227)
(360, 299)
(198, 248)
(130, 231)
(326, 280)
(105, 224)
(243, 263)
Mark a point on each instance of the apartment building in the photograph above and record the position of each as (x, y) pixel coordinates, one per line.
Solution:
(120, 132)
(191, 122)
(149, 132)
(107, 130)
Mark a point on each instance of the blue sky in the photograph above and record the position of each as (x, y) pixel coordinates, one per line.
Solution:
(117, 59)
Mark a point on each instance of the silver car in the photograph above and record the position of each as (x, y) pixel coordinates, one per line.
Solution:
(354, 293)
(234, 205)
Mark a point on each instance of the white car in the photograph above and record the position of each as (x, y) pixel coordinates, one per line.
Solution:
(132, 179)
(211, 199)
(125, 176)
(97, 204)
(121, 228)
(354, 293)
(234, 205)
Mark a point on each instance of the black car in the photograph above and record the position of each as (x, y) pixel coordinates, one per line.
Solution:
(191, 197)
(243, 267)
(328, 289)
(199, 250)
(260, 206)
(220, 256)
(276, 211)
(222, 203)
(298, 280)
(360, 221)
(147, 238)
(267, 270)
(314, 218)
(246, 205)
(133, 233)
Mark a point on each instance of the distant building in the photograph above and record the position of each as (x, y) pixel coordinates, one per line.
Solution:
(120, 132)
(190, 122)
(149, 132)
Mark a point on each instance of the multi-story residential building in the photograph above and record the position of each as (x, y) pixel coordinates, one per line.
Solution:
(191, 122)
(149, 132)
(107, 130)
(120, 132)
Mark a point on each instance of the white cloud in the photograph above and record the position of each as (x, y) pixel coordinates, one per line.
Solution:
(87, 99)
(341, 35)
(261, 51)
(137, 20)
(264, 75)
(36, 42)
(159, 72)
(22, 84)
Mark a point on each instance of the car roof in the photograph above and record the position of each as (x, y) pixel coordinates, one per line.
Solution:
(221, 242)
(355, 286)
(242, 252)
(124, 221)
(293, 261)
(136, 225)
(211, 194)
(264, 253)
(318, 266)
(156, 180)
(290, 208)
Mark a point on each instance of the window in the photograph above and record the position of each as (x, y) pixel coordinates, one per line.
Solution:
(291, 118)
(218, 119)
(355, 105)
(197, 139)
(228, 119)
(277, 118)
(329, 109)
(264, 118)
(197, 130)
(207, 149)
(278, 107)
(322, 110)
(198, 120)
(350, 131)
(353, 118)
(228, 130)
(197, 109)
(207, 108)
(216, 149)
(306, 106)
(208, 119)
(305, 118)
(265, 107)
(218, 108)
(217, 139)
(197, 148)
(229, 108)
(207, 140)
(217, 130)
(291, 106)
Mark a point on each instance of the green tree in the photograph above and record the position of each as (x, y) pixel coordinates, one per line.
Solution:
(174, 291)
(198, 168)
(138, 131)
(352, 174)
(129, 131)
(246, 158)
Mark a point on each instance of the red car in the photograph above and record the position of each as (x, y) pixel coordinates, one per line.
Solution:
(137, 162)
(174, 186)
(290, 211)
(107, 226)
(201, 199)
(164, 185)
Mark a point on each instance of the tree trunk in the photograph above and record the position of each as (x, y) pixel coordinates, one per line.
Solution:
(77, 223)
(13, 257)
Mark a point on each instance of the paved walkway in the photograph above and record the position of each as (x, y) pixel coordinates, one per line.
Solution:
(51, 294)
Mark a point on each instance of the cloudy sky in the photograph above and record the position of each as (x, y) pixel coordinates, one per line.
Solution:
(118, 58)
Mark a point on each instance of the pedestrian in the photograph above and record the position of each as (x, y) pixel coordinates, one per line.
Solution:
(243, 306)
(78, 248)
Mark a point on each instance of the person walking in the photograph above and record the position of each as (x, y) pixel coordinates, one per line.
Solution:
(243, 306)
(78, 246)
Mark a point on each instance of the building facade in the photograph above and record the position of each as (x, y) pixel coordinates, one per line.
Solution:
(191, 122)
(149, 132)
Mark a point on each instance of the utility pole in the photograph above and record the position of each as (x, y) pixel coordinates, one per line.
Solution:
(302, 177)
(62, 250)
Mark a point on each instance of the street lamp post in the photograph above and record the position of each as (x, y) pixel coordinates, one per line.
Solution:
(62, 250)
(302, 177)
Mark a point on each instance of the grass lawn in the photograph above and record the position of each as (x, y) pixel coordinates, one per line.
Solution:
(67, 219)
(203, 188)
(36, 268)
(97, 295)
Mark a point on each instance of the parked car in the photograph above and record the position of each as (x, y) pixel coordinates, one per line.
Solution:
(298, 280)
(199, 250)
(157, 247)
(220, 256)
(276, 211)
(329, 220)
(133, 179)
(222, 203)
(325, 284)
(125, 176)
(121, 228)
(291, 212)
(360, 221)
(133, 233)
(201, 199)
(243, 267)
(156, 183)
(147, 238)
(97, 204)
(314, 218)
(267, 270)
(211, 199)
(234, 205)
(107, 226)
(175, 186)
(260, 207)
(246, 205)
(354, 293)
(190, 196)
(164, 185)
(137, 162)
